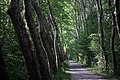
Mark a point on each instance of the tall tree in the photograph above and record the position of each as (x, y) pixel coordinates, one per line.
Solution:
(45, 36)
(56, 36)
(100, 30)
(40, 51)
(3, 70)
(117, 15)
(83, 7)
(19, 26)
(112, 44)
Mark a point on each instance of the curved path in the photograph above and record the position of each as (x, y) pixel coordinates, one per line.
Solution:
(80, 73)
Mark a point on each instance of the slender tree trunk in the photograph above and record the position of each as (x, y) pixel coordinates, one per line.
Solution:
(46, 43)
(113, 41)
(117, 15)
(113, 51)
(100, 31)
(56, 37)
(52, 38)
(83, 7)
(3, 70)
(19, 26)
(91, 6)
(63, 45)
(60, 52)
(43, 62)
(77, 21)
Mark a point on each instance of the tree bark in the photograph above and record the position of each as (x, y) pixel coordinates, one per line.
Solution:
(117, 15)
(100, 31)
(113, 51)
(25, 45)
(46, 42)
(56, 37)
(40, 51)
(112, 45)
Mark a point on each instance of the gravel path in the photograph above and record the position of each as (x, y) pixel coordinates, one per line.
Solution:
(79, 73)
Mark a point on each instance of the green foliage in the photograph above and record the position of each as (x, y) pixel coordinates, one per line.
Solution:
(10, 47)
(86, 50)
(94, 43)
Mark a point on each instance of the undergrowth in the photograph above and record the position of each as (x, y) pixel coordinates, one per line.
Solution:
(103, 73)
(62, 74)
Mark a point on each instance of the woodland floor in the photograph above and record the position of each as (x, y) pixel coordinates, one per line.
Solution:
(78, 72)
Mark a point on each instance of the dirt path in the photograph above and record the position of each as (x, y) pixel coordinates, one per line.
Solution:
(79, 73)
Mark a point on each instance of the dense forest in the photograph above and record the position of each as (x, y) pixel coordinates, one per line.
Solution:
(37, 36)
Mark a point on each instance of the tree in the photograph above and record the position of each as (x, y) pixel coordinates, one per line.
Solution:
(19, 26)
(117, 15)
(112, 44)
(56, 37)
(100, 31)
(40, 52)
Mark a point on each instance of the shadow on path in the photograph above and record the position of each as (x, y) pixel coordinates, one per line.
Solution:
(81, 73)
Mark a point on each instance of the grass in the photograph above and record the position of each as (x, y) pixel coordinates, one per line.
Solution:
(100, 72)
(103, 73)
(62, 74)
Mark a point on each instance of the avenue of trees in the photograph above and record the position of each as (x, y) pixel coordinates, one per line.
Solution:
(37, 36)
(96, 42)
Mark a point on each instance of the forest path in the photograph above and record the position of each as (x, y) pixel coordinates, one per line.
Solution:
(81, 73)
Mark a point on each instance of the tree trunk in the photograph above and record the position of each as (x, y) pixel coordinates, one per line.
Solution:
(45, 36)
(117, 15)
(77, 26)
(83, 7)
(113, 41)
(46, 42)
(113, 51)
(19, 26)
(3, 70)
(40, 51)
(56, 37)
(100, 31)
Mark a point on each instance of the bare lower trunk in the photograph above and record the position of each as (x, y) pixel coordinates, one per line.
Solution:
(113, 51)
